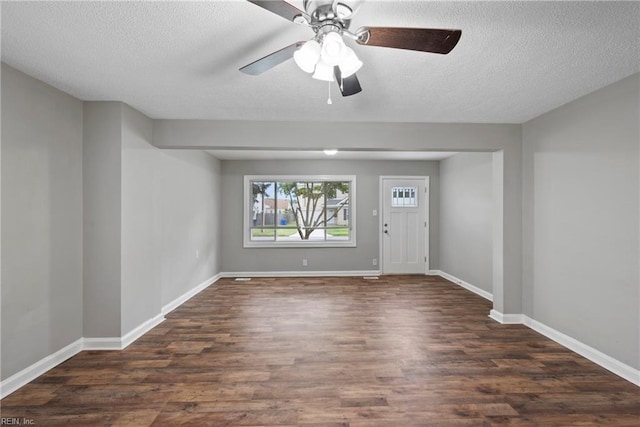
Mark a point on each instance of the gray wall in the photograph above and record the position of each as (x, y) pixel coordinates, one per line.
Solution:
(102, 188)
(190, 183)
(154, 209)
(141, 294)
(170, 221)
(466, 216)
(41, 220)
(235, 258)
(581, 222)
(99, 227)
(505, 140)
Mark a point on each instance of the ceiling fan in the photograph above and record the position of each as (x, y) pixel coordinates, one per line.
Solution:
(327, 56)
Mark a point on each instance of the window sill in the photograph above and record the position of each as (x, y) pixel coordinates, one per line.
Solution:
(277, 245)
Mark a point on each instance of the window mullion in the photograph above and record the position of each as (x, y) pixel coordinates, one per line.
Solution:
(275, 211)
(268, 231)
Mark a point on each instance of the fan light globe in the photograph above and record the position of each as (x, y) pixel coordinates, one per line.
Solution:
(350, 64)
(323, 72)
(307, 56)
(333, 49)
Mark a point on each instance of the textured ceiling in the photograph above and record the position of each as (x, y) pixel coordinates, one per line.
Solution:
(515, 60)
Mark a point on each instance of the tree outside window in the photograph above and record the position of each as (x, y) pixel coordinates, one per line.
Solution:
(300, 211)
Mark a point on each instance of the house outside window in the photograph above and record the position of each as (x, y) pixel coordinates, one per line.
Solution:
(299, 211)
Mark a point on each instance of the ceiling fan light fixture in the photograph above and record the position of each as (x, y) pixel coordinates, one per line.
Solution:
(333, 48)
(327, 57)
(350, 64)
(323, 72)
(307, 56)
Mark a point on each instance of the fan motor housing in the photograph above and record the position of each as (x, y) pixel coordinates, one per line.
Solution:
(322, 13)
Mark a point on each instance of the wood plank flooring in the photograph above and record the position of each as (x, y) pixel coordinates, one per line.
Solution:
(399, 351)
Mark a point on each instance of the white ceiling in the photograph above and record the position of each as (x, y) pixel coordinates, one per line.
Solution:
(515, 60)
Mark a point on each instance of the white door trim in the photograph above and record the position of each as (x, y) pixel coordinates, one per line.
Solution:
(381, 210)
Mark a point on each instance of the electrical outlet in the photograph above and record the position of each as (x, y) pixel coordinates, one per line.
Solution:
(374, 261)
(304, 262)
(375, 212)
(197, 254)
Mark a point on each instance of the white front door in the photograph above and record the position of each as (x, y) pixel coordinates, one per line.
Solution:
(405, 231)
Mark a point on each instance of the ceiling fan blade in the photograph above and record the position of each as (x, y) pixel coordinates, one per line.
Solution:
(268, 62)
(349, 85)
(282, 8)
(421, 39)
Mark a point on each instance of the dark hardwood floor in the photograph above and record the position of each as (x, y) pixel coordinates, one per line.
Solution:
(399, 351)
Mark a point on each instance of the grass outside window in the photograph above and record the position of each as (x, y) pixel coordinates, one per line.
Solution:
(338, 232)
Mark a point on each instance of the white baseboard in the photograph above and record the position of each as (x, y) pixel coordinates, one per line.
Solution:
(596, 356)
(506, 319)
(120, 343)
(102, 343)
(468, 286)
(136, 333)
(189, 294)
(32, 372)
(347, 273)
(621, 369)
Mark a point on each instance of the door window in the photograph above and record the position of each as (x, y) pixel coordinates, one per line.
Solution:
(404, 197)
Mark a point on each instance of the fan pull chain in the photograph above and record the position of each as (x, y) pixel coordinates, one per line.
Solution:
(329, 101)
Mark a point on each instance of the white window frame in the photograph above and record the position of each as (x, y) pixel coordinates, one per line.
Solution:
(248, 243)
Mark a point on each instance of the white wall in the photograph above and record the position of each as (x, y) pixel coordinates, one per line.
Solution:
(466, 218)
(41, 220)
(581, 220)
(235, 258)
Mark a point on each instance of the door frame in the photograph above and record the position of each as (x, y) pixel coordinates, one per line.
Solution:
(381, 213)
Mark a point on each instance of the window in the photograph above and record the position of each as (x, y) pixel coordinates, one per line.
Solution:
(404, 197)
(299, 211)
